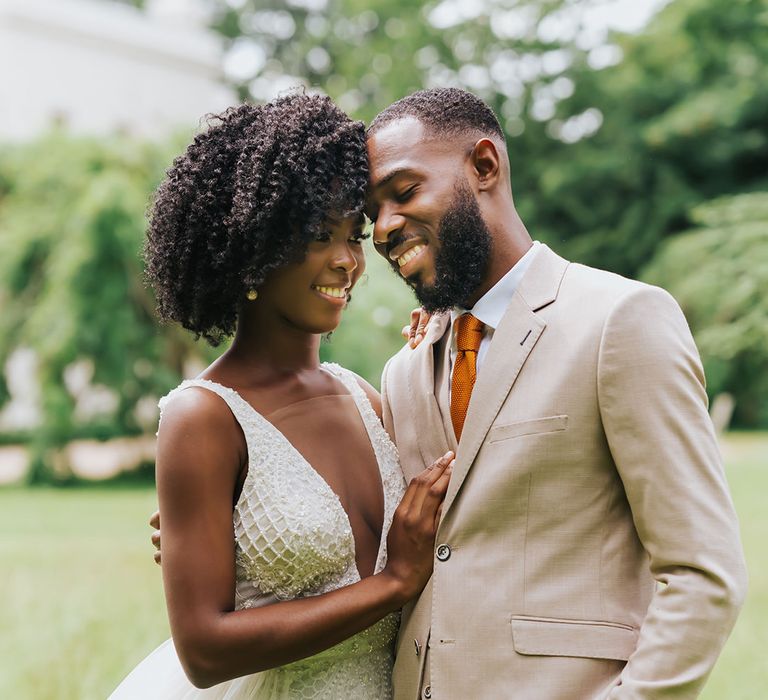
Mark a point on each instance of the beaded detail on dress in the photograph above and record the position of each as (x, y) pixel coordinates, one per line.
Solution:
(294, 539)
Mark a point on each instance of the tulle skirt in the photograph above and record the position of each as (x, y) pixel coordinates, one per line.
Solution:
(160, 677)
(359, 667)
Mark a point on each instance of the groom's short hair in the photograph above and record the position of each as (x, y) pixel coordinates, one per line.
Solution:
(444, 111)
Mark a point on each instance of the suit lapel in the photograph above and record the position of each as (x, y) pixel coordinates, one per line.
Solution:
(425, 412)
(513, 341)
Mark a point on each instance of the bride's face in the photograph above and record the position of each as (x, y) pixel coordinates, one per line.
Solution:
(311, 294)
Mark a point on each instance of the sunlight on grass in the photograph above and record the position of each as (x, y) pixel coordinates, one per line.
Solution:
(741, 673)
(82, 597)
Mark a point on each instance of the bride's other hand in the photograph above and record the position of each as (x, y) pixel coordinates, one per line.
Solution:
(154, 523)
(415, 332)
(411, 540)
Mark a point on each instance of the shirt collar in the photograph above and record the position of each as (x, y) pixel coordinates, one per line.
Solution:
(491, 306)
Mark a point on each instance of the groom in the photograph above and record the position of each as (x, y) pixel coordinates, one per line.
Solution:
(588, 546)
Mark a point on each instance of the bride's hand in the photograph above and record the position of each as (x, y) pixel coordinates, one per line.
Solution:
(154, 523)
(415, 332)
(411, 540)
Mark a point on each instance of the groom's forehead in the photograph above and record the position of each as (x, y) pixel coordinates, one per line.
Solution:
(400, 144)
(398, 136)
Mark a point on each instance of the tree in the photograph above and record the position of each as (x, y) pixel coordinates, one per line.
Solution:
(684, 119)
(718, 272)
(72, 217)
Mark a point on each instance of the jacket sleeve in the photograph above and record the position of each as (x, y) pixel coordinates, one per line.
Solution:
(654, 411)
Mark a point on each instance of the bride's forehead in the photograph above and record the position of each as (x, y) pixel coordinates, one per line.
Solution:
(341, 220)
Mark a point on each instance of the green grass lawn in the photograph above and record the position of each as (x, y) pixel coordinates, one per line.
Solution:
(82, 599)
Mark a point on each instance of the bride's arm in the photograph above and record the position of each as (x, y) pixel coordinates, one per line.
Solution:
(200, 457)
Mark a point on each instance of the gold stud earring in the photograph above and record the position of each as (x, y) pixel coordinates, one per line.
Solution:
(251, 295)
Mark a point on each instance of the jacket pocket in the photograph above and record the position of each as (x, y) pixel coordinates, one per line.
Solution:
(551, 424)
(541, 636)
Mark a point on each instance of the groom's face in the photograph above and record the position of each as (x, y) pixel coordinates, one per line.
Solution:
(427, 222)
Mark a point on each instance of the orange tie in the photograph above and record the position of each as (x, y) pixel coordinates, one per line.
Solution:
(469, 333)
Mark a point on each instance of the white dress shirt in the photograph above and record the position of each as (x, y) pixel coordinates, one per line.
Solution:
(491, 306)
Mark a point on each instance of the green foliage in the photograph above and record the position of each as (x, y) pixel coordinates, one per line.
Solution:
(685, 119)
(72, 221)
(368, 53)
(719, 274)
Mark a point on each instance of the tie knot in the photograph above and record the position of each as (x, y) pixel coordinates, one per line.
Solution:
(469, 333)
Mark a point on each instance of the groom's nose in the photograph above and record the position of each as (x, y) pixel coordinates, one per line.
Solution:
(387, 231)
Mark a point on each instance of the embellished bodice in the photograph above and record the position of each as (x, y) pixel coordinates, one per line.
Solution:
(293, 538)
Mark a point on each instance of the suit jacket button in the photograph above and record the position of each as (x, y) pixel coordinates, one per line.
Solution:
(428, 692)
(443, 552)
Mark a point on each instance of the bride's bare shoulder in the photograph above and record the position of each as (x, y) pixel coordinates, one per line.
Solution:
(196, 421)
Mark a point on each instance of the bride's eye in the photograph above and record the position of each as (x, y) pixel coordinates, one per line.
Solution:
(360, 237)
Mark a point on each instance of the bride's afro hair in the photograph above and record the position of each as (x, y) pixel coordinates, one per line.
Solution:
(246, 197)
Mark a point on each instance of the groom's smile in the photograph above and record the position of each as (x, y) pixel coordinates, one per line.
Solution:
(409, 257)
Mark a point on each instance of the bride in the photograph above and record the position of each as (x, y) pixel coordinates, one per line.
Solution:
(290, 540)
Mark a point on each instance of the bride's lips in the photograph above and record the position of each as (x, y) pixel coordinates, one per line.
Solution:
(334, 295)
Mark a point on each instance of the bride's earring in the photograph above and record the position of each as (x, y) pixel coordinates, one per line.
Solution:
(251, 295)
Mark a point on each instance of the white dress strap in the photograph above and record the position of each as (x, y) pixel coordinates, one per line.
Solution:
(243, 412)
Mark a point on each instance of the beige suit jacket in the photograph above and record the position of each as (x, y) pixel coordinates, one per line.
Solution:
(588, 546)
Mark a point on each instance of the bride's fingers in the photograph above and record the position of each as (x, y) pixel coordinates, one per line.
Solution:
(411, 502)
(428, 482)
(409, 331)
(421, 327)
(154, 520)
(156, 539)
(438, 514)
(433, 499)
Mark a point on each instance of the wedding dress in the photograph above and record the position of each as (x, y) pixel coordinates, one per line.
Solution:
(292, 539)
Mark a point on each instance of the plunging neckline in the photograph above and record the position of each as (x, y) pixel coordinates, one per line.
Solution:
(316, 475)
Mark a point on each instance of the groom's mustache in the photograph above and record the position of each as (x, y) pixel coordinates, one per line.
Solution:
(395, 240)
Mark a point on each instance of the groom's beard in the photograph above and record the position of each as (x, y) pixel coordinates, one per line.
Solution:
(461, 261)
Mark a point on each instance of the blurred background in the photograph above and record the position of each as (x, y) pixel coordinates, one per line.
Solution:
(638, 136)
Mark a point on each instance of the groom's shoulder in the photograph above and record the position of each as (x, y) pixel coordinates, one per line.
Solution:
(593, 280)
(599, 289)
(600, 295)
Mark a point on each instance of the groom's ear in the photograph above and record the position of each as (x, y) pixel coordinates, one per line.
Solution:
(486, 164)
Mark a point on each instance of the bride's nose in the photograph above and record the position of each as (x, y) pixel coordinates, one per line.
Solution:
(344, 258)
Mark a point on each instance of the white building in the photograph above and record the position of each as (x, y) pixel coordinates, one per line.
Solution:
(100, 65)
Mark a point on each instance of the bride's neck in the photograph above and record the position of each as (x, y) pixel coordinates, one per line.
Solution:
(278, 346)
